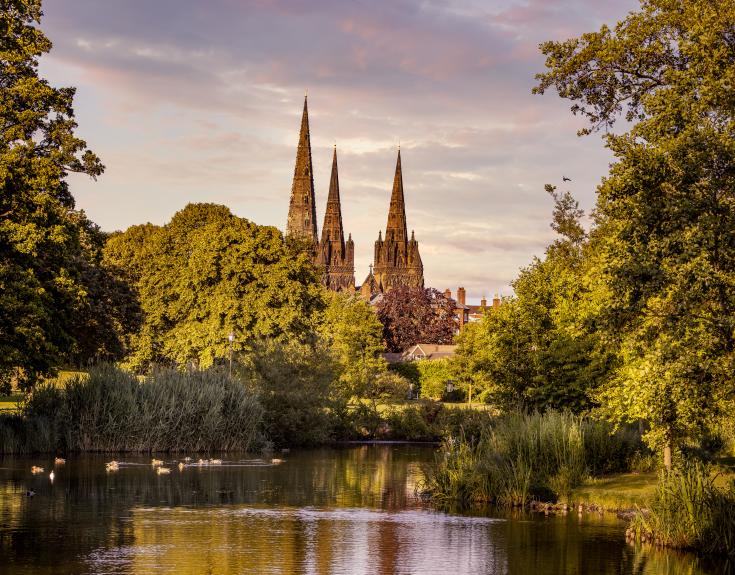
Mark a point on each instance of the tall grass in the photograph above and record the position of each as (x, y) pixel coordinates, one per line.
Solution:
(111, 410)
(689, 511)
(520, 457)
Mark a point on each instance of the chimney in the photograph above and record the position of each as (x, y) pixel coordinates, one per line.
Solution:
(447, 294)
(483, 303)
(496, 302)
(460, 295)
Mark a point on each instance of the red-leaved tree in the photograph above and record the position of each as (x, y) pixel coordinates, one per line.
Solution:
(413, 315)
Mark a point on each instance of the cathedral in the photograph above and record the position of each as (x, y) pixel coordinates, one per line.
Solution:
(396, 258)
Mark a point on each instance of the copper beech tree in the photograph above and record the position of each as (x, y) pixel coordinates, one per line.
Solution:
(413, 315)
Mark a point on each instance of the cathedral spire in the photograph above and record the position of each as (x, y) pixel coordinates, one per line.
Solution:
(332, 229)
(302, 209)
(396, 228)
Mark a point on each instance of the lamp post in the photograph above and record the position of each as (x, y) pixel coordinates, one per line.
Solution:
(231, 337)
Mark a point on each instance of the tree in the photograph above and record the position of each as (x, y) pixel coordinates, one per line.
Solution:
(354, 335)
(413, 315)
(208, 273)
(665, 216)
(539, 350)
(46, 297)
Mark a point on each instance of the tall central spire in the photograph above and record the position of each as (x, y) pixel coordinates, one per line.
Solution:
(396, 229)
(332, 229)
(302, 209)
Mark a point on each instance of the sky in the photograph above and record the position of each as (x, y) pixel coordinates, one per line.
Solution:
(192, 101)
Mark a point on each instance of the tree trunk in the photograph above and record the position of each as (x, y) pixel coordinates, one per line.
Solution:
(667, 453)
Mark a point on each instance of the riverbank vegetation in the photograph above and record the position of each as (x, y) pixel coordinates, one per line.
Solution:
(521, 457)
(689, 511)
(111, 410)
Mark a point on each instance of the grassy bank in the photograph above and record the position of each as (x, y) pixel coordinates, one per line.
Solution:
(689, 510)
(617, 492)
(521, 457)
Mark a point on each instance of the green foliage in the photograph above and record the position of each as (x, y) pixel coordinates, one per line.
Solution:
(295, 384)
(111, 410)
(353, 333)
(520, 456)
(207, 274)
(689, 511)
(539, 349)
(664, 217)
(57, 303)
(429, 376)
(433, 377)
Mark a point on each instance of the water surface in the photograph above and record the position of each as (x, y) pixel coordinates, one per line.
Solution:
(329, 511)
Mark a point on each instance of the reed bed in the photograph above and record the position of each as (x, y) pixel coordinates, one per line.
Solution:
(520, 457)
(112, 410)
(689, 511)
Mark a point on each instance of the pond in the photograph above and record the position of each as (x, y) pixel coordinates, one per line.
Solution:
(348, 510)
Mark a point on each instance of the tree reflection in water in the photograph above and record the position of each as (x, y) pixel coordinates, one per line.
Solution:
(348, 510)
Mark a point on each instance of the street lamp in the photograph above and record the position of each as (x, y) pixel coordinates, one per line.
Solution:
(231, 337)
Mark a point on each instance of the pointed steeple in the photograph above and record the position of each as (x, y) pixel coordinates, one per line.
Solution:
(332, 229)
(302, 209)
(396, 228)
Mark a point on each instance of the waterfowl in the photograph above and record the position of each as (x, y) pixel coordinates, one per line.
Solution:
(187, 459)
(276, 461)
(59, 461)
(215, 462)
(162, 470)
(156, 462)
(51, 476)
(36, 469)
(181, 466)
(30, 493)
(112, 466)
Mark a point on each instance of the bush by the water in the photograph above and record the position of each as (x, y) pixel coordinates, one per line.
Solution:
(519, 457)
(689, 511)
(423, 420)
(112, 410)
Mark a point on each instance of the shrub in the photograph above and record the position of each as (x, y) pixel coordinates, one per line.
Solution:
(111, 410)
(514, 458)
(295, 384)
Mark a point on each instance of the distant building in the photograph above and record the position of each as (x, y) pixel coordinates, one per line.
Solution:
(396, 258)
(397, 261)
(421, 351)
(334, 255)
(464, 313)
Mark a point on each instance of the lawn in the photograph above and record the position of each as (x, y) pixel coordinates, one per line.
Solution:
(628, 490)
(619, 491)
(9, 403)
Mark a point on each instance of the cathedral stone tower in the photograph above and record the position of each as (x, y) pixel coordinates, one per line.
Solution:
(335, 256)
(302, 209)
(397, 259)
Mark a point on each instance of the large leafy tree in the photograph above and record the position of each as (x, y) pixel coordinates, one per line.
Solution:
(52, 289)
(665, 218)
(207, 274)
(413, 315)
(354, 335)
(538, 350)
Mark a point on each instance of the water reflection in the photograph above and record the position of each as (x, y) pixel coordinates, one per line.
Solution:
(321, 512)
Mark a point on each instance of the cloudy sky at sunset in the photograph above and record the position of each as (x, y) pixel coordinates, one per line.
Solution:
(193, 101)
